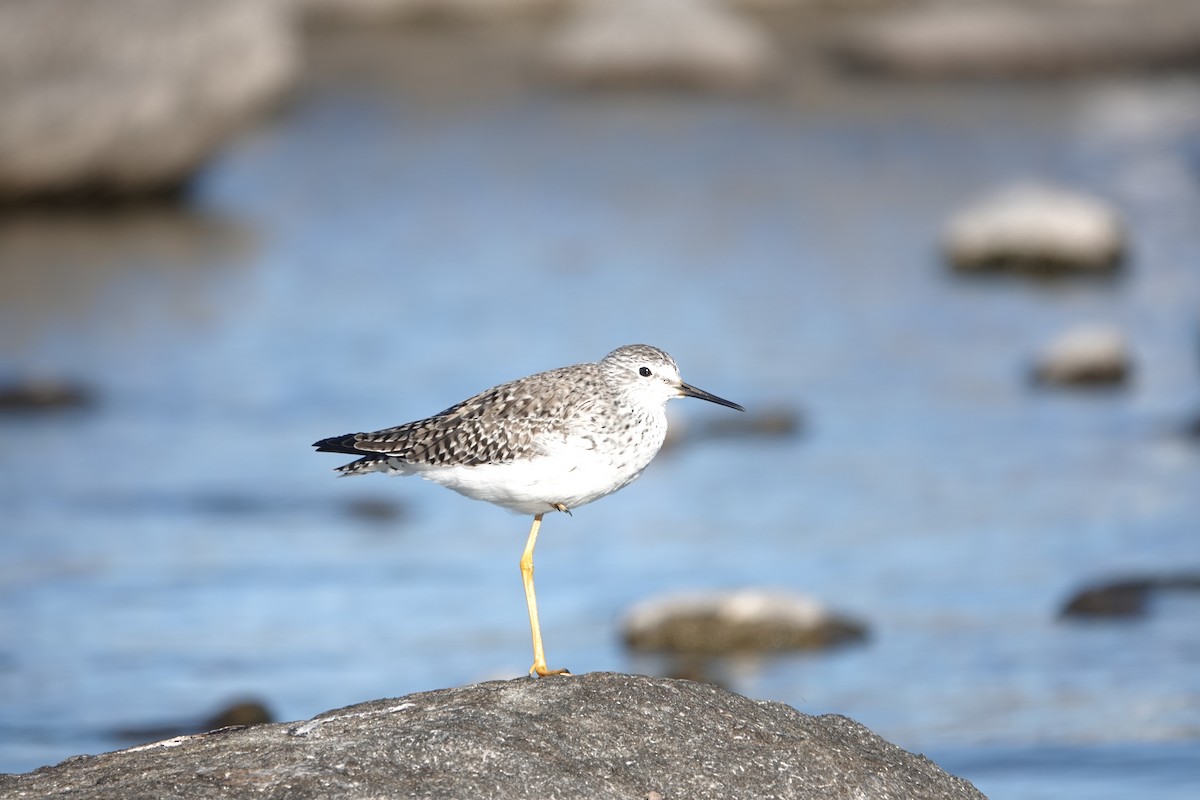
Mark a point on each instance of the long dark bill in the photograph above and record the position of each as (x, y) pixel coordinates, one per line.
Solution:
(691, 391)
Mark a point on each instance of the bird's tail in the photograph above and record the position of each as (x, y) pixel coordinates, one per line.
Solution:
(363, 466)
(338, 444)
(346, 444)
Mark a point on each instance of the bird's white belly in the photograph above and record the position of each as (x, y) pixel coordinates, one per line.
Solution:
(534, 487)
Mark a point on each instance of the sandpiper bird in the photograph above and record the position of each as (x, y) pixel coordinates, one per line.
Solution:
(553, 441)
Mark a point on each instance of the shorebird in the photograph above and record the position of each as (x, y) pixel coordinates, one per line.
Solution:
(553, 441)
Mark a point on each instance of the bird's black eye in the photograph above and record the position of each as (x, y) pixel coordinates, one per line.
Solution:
(644, 372)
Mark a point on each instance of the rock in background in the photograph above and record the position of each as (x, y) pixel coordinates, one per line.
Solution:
(40, 393)
(770, 422)
(1047, 37)
(1036, 227)
(732, 622)
(694, 43)
(129, 97)
(1125, 598)
(357, 12)
(1092, 355)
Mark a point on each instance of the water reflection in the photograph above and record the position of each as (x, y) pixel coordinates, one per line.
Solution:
(68, 269)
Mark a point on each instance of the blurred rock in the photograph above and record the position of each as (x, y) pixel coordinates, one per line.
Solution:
(374, 509)
(1036, 228)
(128, 97)
(382, 11)
(961, 39)
(774, 423)
(769, 423)
(1192, 429)
(691, 43)
(1126, 597)
(600, 736)
(697, 667)
(1119, 599)
(1085, 356)
(731, 622)
(242, 713)
(43, 394)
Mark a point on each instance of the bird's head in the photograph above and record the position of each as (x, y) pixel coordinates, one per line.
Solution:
(651, 377)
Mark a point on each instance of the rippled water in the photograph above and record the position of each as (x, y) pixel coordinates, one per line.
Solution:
(375, 255)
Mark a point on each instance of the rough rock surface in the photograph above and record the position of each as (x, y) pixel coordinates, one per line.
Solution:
(595, 736)
(130, 96)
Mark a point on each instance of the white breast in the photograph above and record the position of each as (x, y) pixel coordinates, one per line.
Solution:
(573, 474)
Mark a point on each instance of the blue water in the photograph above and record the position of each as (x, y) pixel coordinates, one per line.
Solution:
(375, 255)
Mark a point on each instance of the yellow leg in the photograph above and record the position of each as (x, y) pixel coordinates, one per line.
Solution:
(539, 655)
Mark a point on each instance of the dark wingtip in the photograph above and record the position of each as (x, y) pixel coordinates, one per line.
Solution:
(338, 444)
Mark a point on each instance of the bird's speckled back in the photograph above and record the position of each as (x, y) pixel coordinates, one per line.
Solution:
(592, 405)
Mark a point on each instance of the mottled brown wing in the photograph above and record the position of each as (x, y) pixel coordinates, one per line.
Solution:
(508, 422)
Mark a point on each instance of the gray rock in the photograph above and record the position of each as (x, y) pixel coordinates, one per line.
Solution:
(758, 423)
(593, 736)
(740, 621)
(376, 11)
(1191, 429)
(1035, 227)
(131, 96)
(1014, 38)
(1094, 355)
(42, 393)
(1123, 598)
(1117, 599)
(695, 43)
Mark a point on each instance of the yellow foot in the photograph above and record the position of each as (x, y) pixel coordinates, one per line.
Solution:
(541, 671)
(562, 508)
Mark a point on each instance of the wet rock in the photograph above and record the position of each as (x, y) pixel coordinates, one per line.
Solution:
(43, 394)
(766, 423)
(1095, 356)
(130, 97)
(744, 621)
(1124, 597)
(693, 43)
(596, 736)
(1036, 228)
(990, 39)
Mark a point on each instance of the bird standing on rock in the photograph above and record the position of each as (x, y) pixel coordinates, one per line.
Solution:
(553, 441)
